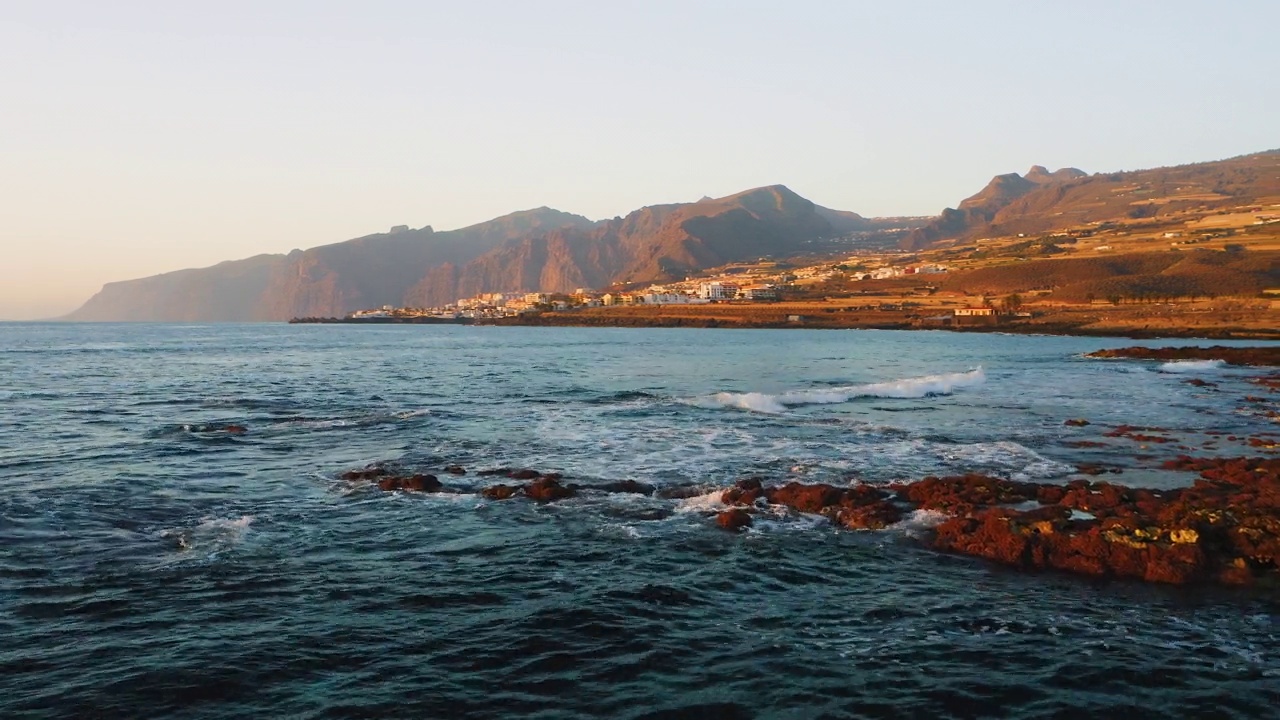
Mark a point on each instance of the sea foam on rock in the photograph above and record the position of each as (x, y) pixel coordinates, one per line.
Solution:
(1225, 528)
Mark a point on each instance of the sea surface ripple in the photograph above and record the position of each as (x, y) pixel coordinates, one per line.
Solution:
(153, 564)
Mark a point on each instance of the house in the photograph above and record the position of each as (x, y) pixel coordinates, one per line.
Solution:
(975, 312)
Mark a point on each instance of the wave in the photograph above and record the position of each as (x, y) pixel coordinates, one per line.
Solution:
(211, 535)
(917, 387)
(1191, 366)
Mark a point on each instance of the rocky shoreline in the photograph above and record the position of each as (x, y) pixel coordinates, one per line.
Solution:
(1222, 529)
(1240, 356)
(836, 322)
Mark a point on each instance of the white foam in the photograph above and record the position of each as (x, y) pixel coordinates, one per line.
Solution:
(709, 502)
(1018, 461)
(917, 387)
(1191, 366)
(212, 534)
(754, 401)
(238, 525)
(919, 521)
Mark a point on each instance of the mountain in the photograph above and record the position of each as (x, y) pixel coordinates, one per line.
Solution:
(535, 250)
(1041, 201)
(979, 210)
(332, 279)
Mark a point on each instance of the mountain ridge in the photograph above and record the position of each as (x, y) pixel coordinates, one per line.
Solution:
(533, 250)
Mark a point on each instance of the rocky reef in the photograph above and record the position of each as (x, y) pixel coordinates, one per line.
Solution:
(1223, 528)
(1245, 356)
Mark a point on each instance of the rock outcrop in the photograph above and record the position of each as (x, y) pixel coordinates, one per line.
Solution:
(1224, 528)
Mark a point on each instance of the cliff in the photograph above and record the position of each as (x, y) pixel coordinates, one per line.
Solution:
(535, 250)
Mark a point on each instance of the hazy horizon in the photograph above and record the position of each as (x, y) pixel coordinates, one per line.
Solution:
(144, 137)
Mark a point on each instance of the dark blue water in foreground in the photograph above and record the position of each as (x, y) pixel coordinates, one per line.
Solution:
(151, 566)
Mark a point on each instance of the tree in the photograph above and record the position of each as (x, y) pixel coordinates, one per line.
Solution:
(1012, 302)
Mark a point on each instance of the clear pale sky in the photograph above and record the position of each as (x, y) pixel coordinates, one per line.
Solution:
(143, 137)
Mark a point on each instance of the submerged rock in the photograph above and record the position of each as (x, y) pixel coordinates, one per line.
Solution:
(625, 486)
(411, 483)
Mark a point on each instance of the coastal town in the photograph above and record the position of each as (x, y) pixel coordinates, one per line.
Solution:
(741, 283)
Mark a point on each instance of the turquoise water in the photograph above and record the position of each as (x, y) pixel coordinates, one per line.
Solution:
(153, 565)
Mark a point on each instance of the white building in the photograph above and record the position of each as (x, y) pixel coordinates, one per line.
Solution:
(717, 291)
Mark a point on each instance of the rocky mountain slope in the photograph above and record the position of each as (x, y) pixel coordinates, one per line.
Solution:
(536, 250)
(1041, 201)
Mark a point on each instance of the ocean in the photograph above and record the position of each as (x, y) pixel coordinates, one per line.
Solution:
(153, 564)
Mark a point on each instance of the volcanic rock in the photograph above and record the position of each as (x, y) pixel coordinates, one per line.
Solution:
(626, 486)
(548, 490)
(734, 519)
(1253, 356)
(499, 492)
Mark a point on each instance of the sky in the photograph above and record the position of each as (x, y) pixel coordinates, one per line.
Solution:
(143, 137)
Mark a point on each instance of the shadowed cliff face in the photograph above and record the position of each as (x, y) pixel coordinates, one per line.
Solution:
(537, 250)
(328, 280)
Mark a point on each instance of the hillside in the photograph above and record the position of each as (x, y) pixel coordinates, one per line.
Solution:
(1040, 201)
(1132, 277)
(536, 250)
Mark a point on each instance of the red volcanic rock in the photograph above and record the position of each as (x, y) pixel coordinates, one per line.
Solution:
(964, 493)
(494, 471)
(805, 498)
(1078, 422)
(499, 492)
(734, 519)
(525, 474)
(743, 492)
(1050, 494)
(1197, 382)
(388, 484)
(548, 490)
(1132, 432)
(1224, 528)
(1085, 444)
(236, 429)
(872, 516)
(455, 470)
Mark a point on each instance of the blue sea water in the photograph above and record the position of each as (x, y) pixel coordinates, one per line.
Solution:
(154, 565)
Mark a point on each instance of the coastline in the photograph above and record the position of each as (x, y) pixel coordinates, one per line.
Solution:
(1065, 329)
(1222, 320)
(1015, 328)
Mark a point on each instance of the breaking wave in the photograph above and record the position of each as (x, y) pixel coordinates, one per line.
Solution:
(918, 387)
(1191, 366)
